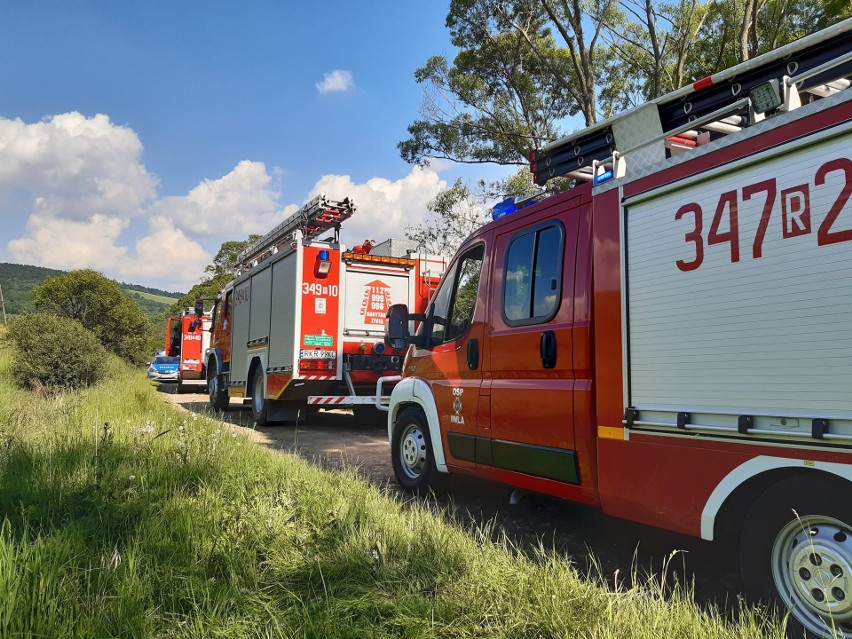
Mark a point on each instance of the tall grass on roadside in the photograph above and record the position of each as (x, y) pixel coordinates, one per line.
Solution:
(123, 516)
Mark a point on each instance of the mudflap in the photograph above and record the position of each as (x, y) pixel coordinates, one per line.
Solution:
(286, 411)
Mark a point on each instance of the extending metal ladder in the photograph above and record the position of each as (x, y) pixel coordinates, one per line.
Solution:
(317, 216)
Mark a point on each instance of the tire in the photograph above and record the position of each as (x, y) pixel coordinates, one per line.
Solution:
(216, 390)
(412, 455)
(796, 553)
(259, 403)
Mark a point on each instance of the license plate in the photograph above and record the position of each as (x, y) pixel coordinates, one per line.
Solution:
(318, 354)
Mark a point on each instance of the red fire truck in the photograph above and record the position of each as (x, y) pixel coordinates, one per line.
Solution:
(188, 338)
(302, 323)
(670, 339)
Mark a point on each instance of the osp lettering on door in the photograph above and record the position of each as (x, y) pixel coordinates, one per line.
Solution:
(457, 417)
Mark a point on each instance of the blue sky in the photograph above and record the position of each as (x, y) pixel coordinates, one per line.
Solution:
(135, 137)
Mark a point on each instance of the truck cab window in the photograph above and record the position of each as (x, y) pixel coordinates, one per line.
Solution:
(464, 295)
(440, 309)
(217, 313)
(452, 310)
(532, 286)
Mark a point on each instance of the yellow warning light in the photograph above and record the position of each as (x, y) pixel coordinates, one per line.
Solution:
(383, 259)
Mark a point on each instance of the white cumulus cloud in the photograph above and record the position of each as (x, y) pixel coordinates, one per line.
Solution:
(75, 166)
(165, 254)
(385, 208)
(93, 204)
(235, 205)
(71, 243)
(86, 184)
(337, 80)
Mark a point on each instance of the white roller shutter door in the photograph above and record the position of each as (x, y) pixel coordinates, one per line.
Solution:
(760, 335)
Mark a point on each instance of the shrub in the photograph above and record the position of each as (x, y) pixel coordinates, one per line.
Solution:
(100, 305)
(54, 353)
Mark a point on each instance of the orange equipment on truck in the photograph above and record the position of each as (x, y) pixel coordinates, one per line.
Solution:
(670, 339)
(188, 337)
(302, 323)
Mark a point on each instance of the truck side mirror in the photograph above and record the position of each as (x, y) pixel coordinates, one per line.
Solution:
(396, 327)
(199, 307)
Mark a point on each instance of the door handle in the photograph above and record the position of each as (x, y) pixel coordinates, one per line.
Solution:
(548, 349)
(473, 354)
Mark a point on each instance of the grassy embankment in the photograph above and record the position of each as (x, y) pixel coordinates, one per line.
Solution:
(161, 524)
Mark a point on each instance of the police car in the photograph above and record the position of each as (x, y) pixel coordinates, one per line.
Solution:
(164, 369)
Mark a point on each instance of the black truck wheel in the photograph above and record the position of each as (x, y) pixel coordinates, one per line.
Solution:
(259, 403)
(796, 553)
(216, 390)
(411, 451)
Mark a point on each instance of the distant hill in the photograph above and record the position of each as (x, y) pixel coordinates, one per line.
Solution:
(19, 280)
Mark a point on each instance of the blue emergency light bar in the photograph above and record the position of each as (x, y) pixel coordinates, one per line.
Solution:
(603, 177)
(504, 208)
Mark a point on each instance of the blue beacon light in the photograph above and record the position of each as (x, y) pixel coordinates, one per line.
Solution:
(504, 208)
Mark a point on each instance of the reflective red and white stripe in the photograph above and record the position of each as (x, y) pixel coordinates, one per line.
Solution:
(344, 400)
(317, 377)
(327, 400)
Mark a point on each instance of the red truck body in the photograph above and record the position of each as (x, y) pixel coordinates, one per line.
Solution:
(669, 340)
(188, 337)
(301, 324)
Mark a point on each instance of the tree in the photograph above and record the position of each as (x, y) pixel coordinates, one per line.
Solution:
(455, 214)
(649, 46)
(737, 30)
(460, 209)
(225, 259)
(99, 304)
(216, 275)
(524, 66)
(500, 97)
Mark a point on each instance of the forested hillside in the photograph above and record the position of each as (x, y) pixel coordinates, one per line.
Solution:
(18, 281)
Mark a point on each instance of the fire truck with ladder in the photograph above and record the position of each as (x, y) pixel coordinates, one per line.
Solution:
(188, 338)
(302, 323)
(670, 339)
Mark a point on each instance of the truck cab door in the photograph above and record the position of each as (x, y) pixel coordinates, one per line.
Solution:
(450, 359)
(530, 348)
(220, 333)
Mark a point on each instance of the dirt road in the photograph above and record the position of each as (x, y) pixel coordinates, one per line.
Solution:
(619, 548)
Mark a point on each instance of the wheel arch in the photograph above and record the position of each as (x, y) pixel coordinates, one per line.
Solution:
(256, 364)
(413, 391)
(214, 359)
(725, 509)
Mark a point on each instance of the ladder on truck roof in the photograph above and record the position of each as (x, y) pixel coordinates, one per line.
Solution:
(811, 68)
(317, 216)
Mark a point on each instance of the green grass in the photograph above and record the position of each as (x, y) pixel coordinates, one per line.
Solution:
(125, 517)
(160, 299)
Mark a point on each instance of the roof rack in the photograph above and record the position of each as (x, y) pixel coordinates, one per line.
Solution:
(317, 216)
(811, 68)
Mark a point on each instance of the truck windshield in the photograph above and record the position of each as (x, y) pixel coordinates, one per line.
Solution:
(451, 319)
